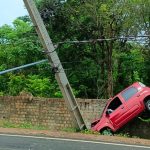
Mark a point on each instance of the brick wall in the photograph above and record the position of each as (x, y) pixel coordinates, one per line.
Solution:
(53, 113)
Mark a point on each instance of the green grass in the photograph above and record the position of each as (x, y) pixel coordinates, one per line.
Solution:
(144, 120)
(88, 131)
(122, 134)
(28, 125)
(70, 130)
(25, 125)
(75, 130)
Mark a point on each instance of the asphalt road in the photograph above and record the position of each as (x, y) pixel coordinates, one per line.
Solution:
(19, 142)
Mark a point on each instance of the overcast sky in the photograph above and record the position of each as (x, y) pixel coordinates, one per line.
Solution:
(10, 10)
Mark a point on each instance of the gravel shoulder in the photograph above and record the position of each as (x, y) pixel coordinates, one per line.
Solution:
(70, 135)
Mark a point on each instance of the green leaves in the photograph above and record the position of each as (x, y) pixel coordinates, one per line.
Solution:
(92, 68)
(38, 86)
(21, 27)
(16, 84)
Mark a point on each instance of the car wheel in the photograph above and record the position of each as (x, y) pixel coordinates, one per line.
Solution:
(147, 104)
(107, 132)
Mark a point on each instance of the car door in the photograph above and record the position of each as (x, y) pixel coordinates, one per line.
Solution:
(117, 116)
(131, 96)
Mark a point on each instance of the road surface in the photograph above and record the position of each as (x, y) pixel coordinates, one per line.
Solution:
(20, 142)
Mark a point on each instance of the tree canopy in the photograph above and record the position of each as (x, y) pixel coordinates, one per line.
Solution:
(116, 52)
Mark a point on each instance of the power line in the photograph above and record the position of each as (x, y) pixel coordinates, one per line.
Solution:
(90, 40)
(33, 64)
(105, 39)
(84, 69)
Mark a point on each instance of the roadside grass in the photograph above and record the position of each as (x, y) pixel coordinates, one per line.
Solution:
(73, 130)
(127, 135)
(88, 131)
(76, 130)
(122, 134)
(144, 120)
(25, 125)
(28, 125)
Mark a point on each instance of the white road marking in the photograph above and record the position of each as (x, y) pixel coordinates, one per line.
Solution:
(74, 140)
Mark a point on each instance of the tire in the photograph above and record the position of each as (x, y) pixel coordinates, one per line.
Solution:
(147, 105)
(107, 132)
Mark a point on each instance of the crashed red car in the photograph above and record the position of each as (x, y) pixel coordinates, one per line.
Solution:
(123, 107)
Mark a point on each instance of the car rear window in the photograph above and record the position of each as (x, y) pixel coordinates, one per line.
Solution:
(127, 94)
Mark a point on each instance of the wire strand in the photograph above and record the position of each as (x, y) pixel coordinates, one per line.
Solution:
(91, 40)
(106, 39)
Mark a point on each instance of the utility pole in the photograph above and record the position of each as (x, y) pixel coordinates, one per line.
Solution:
(56, 64)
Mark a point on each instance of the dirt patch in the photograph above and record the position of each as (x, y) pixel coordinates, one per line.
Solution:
(81, 136)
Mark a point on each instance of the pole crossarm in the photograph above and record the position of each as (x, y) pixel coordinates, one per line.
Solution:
(56, 64)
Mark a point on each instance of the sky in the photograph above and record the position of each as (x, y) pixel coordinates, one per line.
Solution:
(10, 10)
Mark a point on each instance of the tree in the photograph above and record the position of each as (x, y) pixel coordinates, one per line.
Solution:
(95, 69)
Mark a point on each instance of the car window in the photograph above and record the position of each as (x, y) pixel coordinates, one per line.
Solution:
(127, 94)
(114, 104)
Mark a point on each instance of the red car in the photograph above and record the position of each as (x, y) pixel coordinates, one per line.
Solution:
(123, 107)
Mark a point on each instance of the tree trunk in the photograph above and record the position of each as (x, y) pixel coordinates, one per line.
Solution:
(109, 71)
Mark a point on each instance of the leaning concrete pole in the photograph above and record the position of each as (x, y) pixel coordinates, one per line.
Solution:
(56, 64)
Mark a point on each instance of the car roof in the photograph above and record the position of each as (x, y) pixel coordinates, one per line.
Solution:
(135, 84)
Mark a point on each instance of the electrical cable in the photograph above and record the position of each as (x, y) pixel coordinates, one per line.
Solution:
(90, 40)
